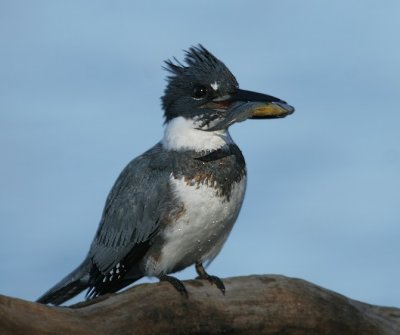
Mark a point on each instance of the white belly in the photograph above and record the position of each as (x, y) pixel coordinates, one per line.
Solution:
(201, 230)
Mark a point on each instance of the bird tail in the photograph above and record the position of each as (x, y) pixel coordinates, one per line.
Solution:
(69, 287)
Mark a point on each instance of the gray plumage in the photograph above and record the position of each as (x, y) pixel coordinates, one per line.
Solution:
(202, 68)
(175, 205)
(139, 204)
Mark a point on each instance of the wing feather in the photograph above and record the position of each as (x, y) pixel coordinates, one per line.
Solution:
(132, 211)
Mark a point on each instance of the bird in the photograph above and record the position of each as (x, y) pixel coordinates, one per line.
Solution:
(174, 206)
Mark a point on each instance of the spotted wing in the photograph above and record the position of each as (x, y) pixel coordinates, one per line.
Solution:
(131, 217)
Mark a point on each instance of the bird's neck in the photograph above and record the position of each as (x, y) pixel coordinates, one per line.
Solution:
(182, 134)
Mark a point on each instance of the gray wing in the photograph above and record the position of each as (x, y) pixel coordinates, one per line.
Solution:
(133, 210)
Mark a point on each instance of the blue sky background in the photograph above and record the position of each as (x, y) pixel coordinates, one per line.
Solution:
(80, 83)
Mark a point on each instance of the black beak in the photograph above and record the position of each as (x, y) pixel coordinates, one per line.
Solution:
(243, 105)
(262, 106)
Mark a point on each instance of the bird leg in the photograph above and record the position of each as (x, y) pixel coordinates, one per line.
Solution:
(202, 274)
(175, 283)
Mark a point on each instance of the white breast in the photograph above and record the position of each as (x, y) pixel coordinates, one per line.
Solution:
(202, 228)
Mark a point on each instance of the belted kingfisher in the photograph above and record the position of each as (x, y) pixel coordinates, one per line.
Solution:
(175, 205)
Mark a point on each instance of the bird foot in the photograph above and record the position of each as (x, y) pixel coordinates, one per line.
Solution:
(175, 283)
(214, 280)
(202, 274)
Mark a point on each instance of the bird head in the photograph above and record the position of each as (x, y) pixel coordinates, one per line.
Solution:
(205, 91)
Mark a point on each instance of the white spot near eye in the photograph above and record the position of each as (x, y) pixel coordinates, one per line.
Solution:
(215, 86)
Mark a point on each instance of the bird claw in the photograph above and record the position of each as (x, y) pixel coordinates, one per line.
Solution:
(202, 274)
(176, 283)
(214, 280)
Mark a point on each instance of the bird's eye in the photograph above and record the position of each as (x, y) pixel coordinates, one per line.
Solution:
(199, 92)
